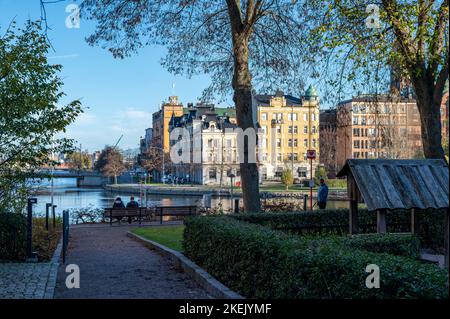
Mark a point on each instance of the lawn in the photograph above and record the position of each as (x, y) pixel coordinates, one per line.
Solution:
(169, 236)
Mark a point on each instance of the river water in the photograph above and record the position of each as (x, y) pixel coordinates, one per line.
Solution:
(67, 196)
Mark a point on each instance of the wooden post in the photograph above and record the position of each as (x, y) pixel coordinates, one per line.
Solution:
(446, 228)
(381, 221)
(353, 212)
(414, 223)
(161, 217)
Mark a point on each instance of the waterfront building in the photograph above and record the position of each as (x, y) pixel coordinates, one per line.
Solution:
(211, 143)
(161, 121)
(290, 127)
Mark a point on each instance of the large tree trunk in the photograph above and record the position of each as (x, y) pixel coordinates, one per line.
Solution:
(429, 105)
(243, 99)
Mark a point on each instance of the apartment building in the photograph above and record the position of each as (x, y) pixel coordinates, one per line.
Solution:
(212, 144)
(290, 127)
(161, 121)
(381, 126)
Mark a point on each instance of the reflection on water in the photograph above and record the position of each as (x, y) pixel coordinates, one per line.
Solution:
(67, 196)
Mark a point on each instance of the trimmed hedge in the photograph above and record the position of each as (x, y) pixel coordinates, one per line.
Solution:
(336, 222)
(13, 232)
(262, 263)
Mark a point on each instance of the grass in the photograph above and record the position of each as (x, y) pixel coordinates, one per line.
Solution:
(169, 236)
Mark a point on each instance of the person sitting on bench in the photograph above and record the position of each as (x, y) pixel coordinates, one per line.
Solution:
(132, 204)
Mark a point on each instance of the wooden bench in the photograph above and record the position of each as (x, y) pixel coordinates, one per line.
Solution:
(120, 213)
(175, 210)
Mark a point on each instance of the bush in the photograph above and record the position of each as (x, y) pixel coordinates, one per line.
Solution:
(262, 263)
(337, 183)
(13, 232)
(336, 222)
(395, 244)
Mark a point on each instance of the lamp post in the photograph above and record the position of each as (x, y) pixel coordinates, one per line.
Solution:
(30, 255)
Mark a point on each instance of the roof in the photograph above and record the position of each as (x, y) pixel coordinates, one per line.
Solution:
(264, 100)
(400, 184)
(377, 98)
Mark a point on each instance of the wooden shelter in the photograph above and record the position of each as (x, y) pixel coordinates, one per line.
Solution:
(385, 184)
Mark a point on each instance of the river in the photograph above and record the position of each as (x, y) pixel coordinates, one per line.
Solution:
(67, 196)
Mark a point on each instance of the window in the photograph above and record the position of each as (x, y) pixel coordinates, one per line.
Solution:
(356, 155)
(290, 129)
(314, 130)
(264, 116)
(302, 171)
(373, 144)
(295, 142)
(278, 129)
(229, 143)
(295, 116)
(210, 143)
(264, 129)
(314, 116)
(356, 144)
(355, 120)
(295, 157)
(305, 142)
(305, 116)
(305, 129)
(290, 142)
(279, 157)
(279, 116)
(295, 129)
(363, 120)
(356, 132)
(212, 173)
(314, 143)
(278, 142)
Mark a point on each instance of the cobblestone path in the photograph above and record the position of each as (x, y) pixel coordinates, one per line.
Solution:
(26, 281)
(113, 265)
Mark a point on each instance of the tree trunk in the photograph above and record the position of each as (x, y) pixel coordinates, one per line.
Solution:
(243, 99)
(115, 179)
(430, 118)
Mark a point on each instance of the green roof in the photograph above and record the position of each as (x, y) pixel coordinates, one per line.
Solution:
(311, 92)
(226, 111)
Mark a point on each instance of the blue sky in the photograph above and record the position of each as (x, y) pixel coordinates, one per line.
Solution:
(120, 95)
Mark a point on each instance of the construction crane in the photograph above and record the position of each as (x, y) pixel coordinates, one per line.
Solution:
(118, 141)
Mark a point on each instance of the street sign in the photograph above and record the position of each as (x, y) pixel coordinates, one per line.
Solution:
(311, 154)
(311, 183)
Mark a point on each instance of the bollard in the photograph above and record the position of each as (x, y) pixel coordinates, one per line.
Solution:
(54, 216)
(47, 214)
(305, 200)
(30, 255)
(236, 205)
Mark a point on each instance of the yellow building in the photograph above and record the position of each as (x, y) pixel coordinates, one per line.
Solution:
(161, 121)
(290, 128)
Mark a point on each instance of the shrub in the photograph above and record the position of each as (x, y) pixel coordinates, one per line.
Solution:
(395, 244)
(13, 231)
(337, 183)
(336, 222)
(262, 263)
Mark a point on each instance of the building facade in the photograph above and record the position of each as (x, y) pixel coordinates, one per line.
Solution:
(377, 127)
(161, 121)
(290, 127)
(211, 143)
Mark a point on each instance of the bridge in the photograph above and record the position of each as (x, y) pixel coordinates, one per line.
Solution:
(83, 177)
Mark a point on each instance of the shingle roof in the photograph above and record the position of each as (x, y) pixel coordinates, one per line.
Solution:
(400, 184)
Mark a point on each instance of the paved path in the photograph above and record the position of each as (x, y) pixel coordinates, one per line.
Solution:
(25, 280)
(113, 265)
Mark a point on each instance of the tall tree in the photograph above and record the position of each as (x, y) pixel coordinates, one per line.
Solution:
(110, 163)
(236, 42)
(30, 118)
(361, 43)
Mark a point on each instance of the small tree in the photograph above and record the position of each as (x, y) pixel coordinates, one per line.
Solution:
(287, 178)
(77, 160)
(321, 172)
(110, 163)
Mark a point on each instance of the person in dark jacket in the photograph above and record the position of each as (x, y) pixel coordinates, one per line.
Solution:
(118, 204)
(132, 204)
(322, 194)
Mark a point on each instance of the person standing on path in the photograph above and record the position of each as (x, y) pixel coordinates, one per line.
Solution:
(322, 194)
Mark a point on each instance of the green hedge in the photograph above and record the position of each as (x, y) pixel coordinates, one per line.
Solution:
(262, 263)
(336, 222)
(406, 245)
(12, 236)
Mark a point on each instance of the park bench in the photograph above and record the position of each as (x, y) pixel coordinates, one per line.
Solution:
(175, 210)
(120, 213)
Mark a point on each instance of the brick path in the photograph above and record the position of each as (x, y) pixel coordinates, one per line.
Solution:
(25, 281)
(113, 265)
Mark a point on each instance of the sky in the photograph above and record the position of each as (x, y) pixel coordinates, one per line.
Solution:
(119, 96)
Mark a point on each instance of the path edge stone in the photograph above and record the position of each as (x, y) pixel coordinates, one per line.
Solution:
(214, 287)
(53, 272)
